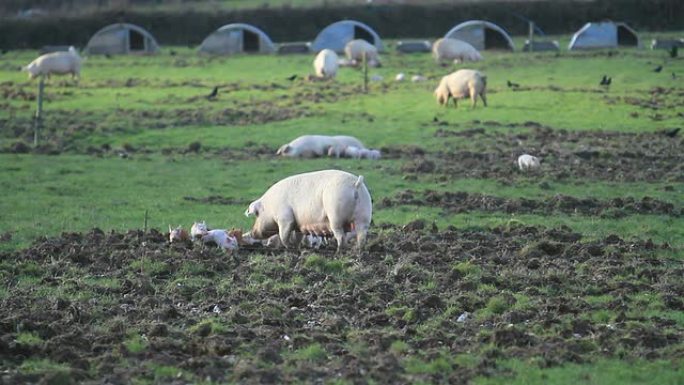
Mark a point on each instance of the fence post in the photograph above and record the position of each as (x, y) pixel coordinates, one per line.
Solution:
(365, 73)
(38, 118)
(531, 35)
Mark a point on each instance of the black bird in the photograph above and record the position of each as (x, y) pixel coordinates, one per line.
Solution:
(512, 85)
(671, 133)
(172, 53)
(604, 80)
(674, 76)
(608, 81)
(292, 78)
(213, 94)
(108, 56)
(4, 51)
(434, 119)
(658, 69)
(674, 51)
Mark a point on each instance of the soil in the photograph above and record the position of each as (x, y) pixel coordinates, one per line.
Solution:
(580, 155)
(458, 202)
(526, 290)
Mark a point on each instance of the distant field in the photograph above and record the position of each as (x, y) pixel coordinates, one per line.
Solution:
(569, 274)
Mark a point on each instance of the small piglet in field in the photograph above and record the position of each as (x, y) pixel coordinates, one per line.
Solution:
(178, 234)
(221, 238)
(198, 230)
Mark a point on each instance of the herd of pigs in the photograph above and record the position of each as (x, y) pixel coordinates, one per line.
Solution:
(308, 209)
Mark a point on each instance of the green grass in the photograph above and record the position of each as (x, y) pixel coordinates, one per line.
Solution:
(603, 372)
(163, 110)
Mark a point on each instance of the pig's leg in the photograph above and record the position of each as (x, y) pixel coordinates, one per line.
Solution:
(286, 225)
(484, 98)
(361, 232)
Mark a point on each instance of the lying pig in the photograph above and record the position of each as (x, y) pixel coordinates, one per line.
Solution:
(328, 202)
(317, 145)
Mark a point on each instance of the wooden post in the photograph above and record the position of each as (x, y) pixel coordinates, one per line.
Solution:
(531, 35)
(365, 73)
(38, 118)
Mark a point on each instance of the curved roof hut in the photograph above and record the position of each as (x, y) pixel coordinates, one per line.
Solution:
(481, 35)
(237, 38)
(121, 38)
(605, 34)
(338, 34)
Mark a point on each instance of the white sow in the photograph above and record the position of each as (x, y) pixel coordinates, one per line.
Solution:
(328, 202)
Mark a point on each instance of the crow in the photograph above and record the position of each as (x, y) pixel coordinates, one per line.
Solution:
(671, 133)
(108, 56)
(512, 85)
(292, 78)
(674, 76)
(604, 80)
(213, 94)
(608, 81)
(658, 69)
(172, 53)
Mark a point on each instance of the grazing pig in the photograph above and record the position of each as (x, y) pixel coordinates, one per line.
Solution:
(355, 50)
(321, 202)
(528, 162)
(459, 51)
(325, 64)
(462, 84)
(198, 230)
(60, 63)
(221, 238)
(178, 234)
(316, 145)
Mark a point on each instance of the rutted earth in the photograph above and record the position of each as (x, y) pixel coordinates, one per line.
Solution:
(461, 201)
(262, 316)
(586, 155)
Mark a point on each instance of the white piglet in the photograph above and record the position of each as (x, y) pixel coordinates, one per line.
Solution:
(328, 202)
(198, 230)
(221, 238)
(325, 64)
(528, 162)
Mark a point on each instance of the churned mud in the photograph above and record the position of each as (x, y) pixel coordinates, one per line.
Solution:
(586, 155)
(418, 294)
(460, 201)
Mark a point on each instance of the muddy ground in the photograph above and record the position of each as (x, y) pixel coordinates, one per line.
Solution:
(461, 201)
(587, 155)
(263, 316)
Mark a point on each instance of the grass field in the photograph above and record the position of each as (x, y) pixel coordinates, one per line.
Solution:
(572, 274)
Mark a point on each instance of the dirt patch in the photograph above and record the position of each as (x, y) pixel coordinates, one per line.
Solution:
(590, 155)
(418, 294)
(458, 202)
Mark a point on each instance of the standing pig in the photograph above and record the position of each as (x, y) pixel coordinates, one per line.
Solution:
(355, 50)
(60, 63)
(325, 64)
(462, 84)
(320, 202)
